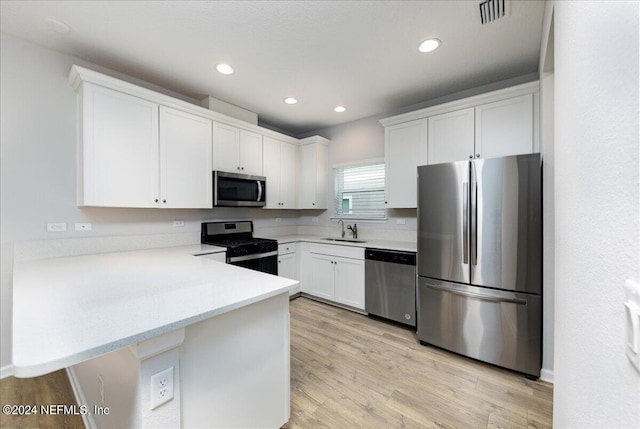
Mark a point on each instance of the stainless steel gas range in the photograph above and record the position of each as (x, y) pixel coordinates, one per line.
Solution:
(243, 249)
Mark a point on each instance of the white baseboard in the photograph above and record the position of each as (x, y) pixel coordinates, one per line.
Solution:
(546, 375)
(87, 419)
(6, 371)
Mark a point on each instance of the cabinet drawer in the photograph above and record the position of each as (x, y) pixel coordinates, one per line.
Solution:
(286, 248)
(335, 250)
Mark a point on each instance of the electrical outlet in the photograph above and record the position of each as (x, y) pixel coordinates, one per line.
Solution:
(56, 227)
(161, 387)
(401, 221)
(178, 223)
(314, 219)
(83, 227)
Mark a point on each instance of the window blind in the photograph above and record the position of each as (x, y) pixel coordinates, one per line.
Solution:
(359, 191)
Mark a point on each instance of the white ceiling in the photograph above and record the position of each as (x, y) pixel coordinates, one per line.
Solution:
(361, 54)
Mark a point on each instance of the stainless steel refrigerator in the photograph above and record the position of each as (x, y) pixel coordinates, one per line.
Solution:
(480, 260)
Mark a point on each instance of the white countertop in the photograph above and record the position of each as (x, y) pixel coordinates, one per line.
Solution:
(68, 310)
(405, 246)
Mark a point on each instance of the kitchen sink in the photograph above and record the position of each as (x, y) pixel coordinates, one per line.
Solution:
(348, 240)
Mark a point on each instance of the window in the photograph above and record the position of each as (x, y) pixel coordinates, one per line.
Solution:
(359, 191)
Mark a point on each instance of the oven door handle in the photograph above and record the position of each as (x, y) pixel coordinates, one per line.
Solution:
(250, 257)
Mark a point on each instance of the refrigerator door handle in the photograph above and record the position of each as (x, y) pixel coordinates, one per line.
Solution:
(477, 295)
(474, 223)
(465, 223)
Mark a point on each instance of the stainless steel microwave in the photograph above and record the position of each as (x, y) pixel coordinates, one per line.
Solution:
(238, 190)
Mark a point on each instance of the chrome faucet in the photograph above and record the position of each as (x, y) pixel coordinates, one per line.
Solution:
(341, 222)
(354, 230)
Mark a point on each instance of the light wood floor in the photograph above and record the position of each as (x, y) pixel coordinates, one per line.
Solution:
(349, 370)
(352, 371)
(50, 389)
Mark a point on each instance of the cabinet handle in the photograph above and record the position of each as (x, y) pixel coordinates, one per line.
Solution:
(470, 156)
(477, 155)
(242, 168)
(386, 202)
(279, 262)
(313, 204)
(238, 168)
(164, 201)
(156, 200)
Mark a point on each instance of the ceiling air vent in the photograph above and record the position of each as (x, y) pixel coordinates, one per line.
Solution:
(491, 10)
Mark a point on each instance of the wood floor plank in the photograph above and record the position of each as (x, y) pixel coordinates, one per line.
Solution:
(50, 389)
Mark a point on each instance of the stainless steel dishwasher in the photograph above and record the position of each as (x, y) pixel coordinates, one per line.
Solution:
(390, 285)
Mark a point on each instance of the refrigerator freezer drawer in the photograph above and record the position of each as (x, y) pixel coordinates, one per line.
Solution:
(501, 328)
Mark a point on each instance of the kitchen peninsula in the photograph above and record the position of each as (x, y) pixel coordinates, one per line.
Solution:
(117, 319)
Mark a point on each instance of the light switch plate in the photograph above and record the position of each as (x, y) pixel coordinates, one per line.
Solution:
(632, 323)
(56, 227)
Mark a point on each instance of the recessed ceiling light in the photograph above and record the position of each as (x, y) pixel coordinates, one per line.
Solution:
(290, 100)
(57, 26)
(429, 45)
(224, 68)
(339, 109)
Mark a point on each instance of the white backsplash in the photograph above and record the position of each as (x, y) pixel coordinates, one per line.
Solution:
(363, 233)
(58, 248)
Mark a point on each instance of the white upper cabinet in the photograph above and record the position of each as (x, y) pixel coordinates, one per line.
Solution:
(185, 160)
(236, 150)
(138, 154)
(505, 127)
(405, 149)
(490, 130)
(314, 173)
(250, 153)
(140, 148)
(451, 136)
(495, 124)
(288, 175)
(118, 149)
(226, 148)
(279, 167)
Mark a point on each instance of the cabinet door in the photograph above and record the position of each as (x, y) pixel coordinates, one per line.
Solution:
(321, 276)
(288, 170)
(119, 152)
(322, 175)
(185, 160)
(226, 148)
(287, 266)
(505, 127)
(349, 282)
(308, 176)
(271, 169)
(405, 150)
(250, 153)
(451, 136)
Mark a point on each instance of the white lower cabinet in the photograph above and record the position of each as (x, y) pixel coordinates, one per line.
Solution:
(335, 273)
(288, 263)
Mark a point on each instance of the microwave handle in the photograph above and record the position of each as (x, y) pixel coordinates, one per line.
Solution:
(259, 190)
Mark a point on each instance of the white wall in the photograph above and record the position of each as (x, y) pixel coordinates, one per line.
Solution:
(597, 212)
(548, 191)
(38, 168)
